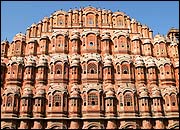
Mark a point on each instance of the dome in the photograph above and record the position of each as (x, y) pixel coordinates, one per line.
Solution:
(75, 35)
(75, 60)
(20, 37)
(139, 61)
(135, 38)
(30, 61)
(44, 37)
(40, 92)
(156, 92)
(106, 35)
(107, 61)
(27, 92)
(42, 61)
(75, 91)
(143, 92)
(110, 94)
(150, 63)
(146, 41)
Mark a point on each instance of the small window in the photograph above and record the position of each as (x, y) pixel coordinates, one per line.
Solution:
(173, 104)
(90, 21)
(92, 99)
(60, 22)
(91, 44)
(92, 71)
(58, 71)
(125, 72)
(57, 104)
(128, 104)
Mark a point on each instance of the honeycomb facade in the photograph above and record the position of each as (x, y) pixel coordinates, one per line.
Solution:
(89, 69)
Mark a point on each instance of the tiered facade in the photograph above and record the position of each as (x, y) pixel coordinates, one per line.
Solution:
(89, 69)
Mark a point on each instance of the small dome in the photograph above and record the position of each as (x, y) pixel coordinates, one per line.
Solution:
(110, 93)
(146, 41)
(33, 25)
(44, 37)
(143, 92)
(75, 35)
(133, 20)
(30, 61)
(20, 37)
(4, 42)
(139, 62)
(107, 61)
(40, 92)
(75, 94)
(27, 92)
(150, 63)
(135, 38)
(75, 91)
(75, 60)
(42, 61)
(156, 92)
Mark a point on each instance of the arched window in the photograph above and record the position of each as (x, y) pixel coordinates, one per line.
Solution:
(92, 68)
(119, 22)
(14, 68)
(9, 101)
(73, 102)
(49, 101)
(90, 21)
(37, 102)
(92, 99)
(84, 100)
(84, 69)
(57, 100)
(128, 99)
(167, 68)
(120, 100)
(20, 70)
(125, 69)
(51, 69)
(58, 68)
(109, 102)
(64, 100)
(23, 101)
(65, 68)
(173, 99)
(59, 41)
(60, 22)
(167, 100)
(118, 69)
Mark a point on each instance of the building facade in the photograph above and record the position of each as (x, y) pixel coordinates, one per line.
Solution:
(89, 69)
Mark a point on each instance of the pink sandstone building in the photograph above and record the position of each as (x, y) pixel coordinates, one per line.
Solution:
(90, 69)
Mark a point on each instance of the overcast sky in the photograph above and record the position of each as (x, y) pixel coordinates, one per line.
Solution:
(16, 16)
